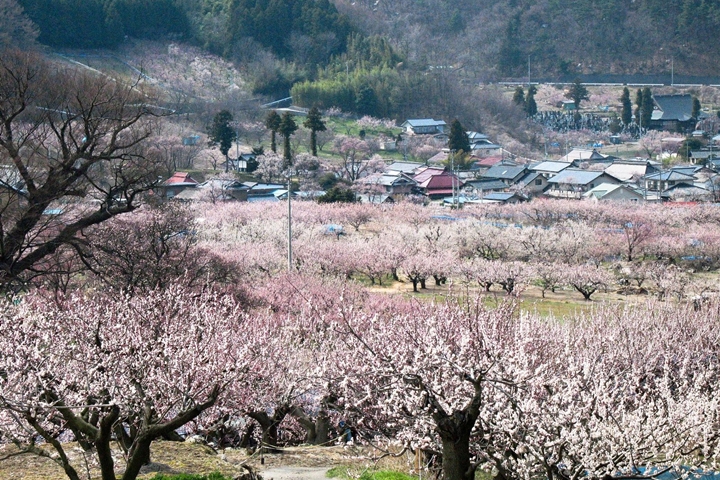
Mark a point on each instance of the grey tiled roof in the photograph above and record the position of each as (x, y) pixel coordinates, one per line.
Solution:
(574, 176)
(673, 107)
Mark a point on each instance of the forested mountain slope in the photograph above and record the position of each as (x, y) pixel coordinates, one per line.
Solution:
(494, 38)
(491, 39)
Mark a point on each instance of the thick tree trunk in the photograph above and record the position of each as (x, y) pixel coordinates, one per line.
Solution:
(316, 430)
(454, 431)
(102, 444)
(422, 283)
(269, 426)
(247, 436)
(139, 456)
(456, 463)
(586, 292)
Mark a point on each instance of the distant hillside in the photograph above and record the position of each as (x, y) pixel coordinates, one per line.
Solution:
(485, 39)
(493, 39)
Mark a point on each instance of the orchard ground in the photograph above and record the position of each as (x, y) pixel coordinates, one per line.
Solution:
(299, 463)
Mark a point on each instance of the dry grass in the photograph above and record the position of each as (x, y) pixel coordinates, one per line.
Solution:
(176, 457)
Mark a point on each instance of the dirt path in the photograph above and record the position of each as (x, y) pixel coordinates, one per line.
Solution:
(294, 473)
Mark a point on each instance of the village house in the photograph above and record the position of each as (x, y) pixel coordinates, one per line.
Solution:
(549, 168)
(216, 190)
(631, 170)
(673, 113)
(614, 192)
(573, 182)
(424, 126)
(389, 183)
(661, 181)
(509, 174)
(436, 183)
(177, 183)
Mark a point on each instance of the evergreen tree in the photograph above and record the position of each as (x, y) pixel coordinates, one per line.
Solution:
(272, 122)
(530, 104)
(638, 104)
(519, 97)
(314, 123)
(287, 128)
(626, 116)
(337, 194)
(222, 134)
(696, 108)
(577, 93)
(458, 140)
(647, 107)
(366, 101)
(510, 54)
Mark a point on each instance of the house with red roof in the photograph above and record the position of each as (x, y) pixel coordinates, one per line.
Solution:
(437, 183)
(176, 184)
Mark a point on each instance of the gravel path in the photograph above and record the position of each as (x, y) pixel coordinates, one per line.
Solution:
(294, 473)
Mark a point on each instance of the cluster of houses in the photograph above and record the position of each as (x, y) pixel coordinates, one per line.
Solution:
(581, 174)
(495, 178)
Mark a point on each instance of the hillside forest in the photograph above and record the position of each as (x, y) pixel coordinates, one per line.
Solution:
(480, 39)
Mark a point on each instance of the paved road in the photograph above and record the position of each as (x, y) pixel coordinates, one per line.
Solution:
(294, 473)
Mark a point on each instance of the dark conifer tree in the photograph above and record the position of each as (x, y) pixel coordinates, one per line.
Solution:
(458, 140)
(519, 97)
(530, 104)
(222, 134)
(272, 122)
(286, 129)
(626, 115)
(314, 123)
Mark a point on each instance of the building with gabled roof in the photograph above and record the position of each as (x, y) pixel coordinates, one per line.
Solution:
(630, 170)
(435, 183)
(614, 192)
(549, 168)
(510, 174)
(390, 183)
(661, 181)
(424, 126)
(673, 113)
(410, 168)
(573, 182)
(176, 184)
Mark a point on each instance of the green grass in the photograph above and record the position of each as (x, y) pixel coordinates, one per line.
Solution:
(350, 127)
(187, 476)
(346, 472)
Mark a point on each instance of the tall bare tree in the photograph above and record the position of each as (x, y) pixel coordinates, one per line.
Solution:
(72, 155)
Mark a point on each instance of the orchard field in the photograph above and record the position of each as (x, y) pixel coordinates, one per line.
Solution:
(419, 328)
